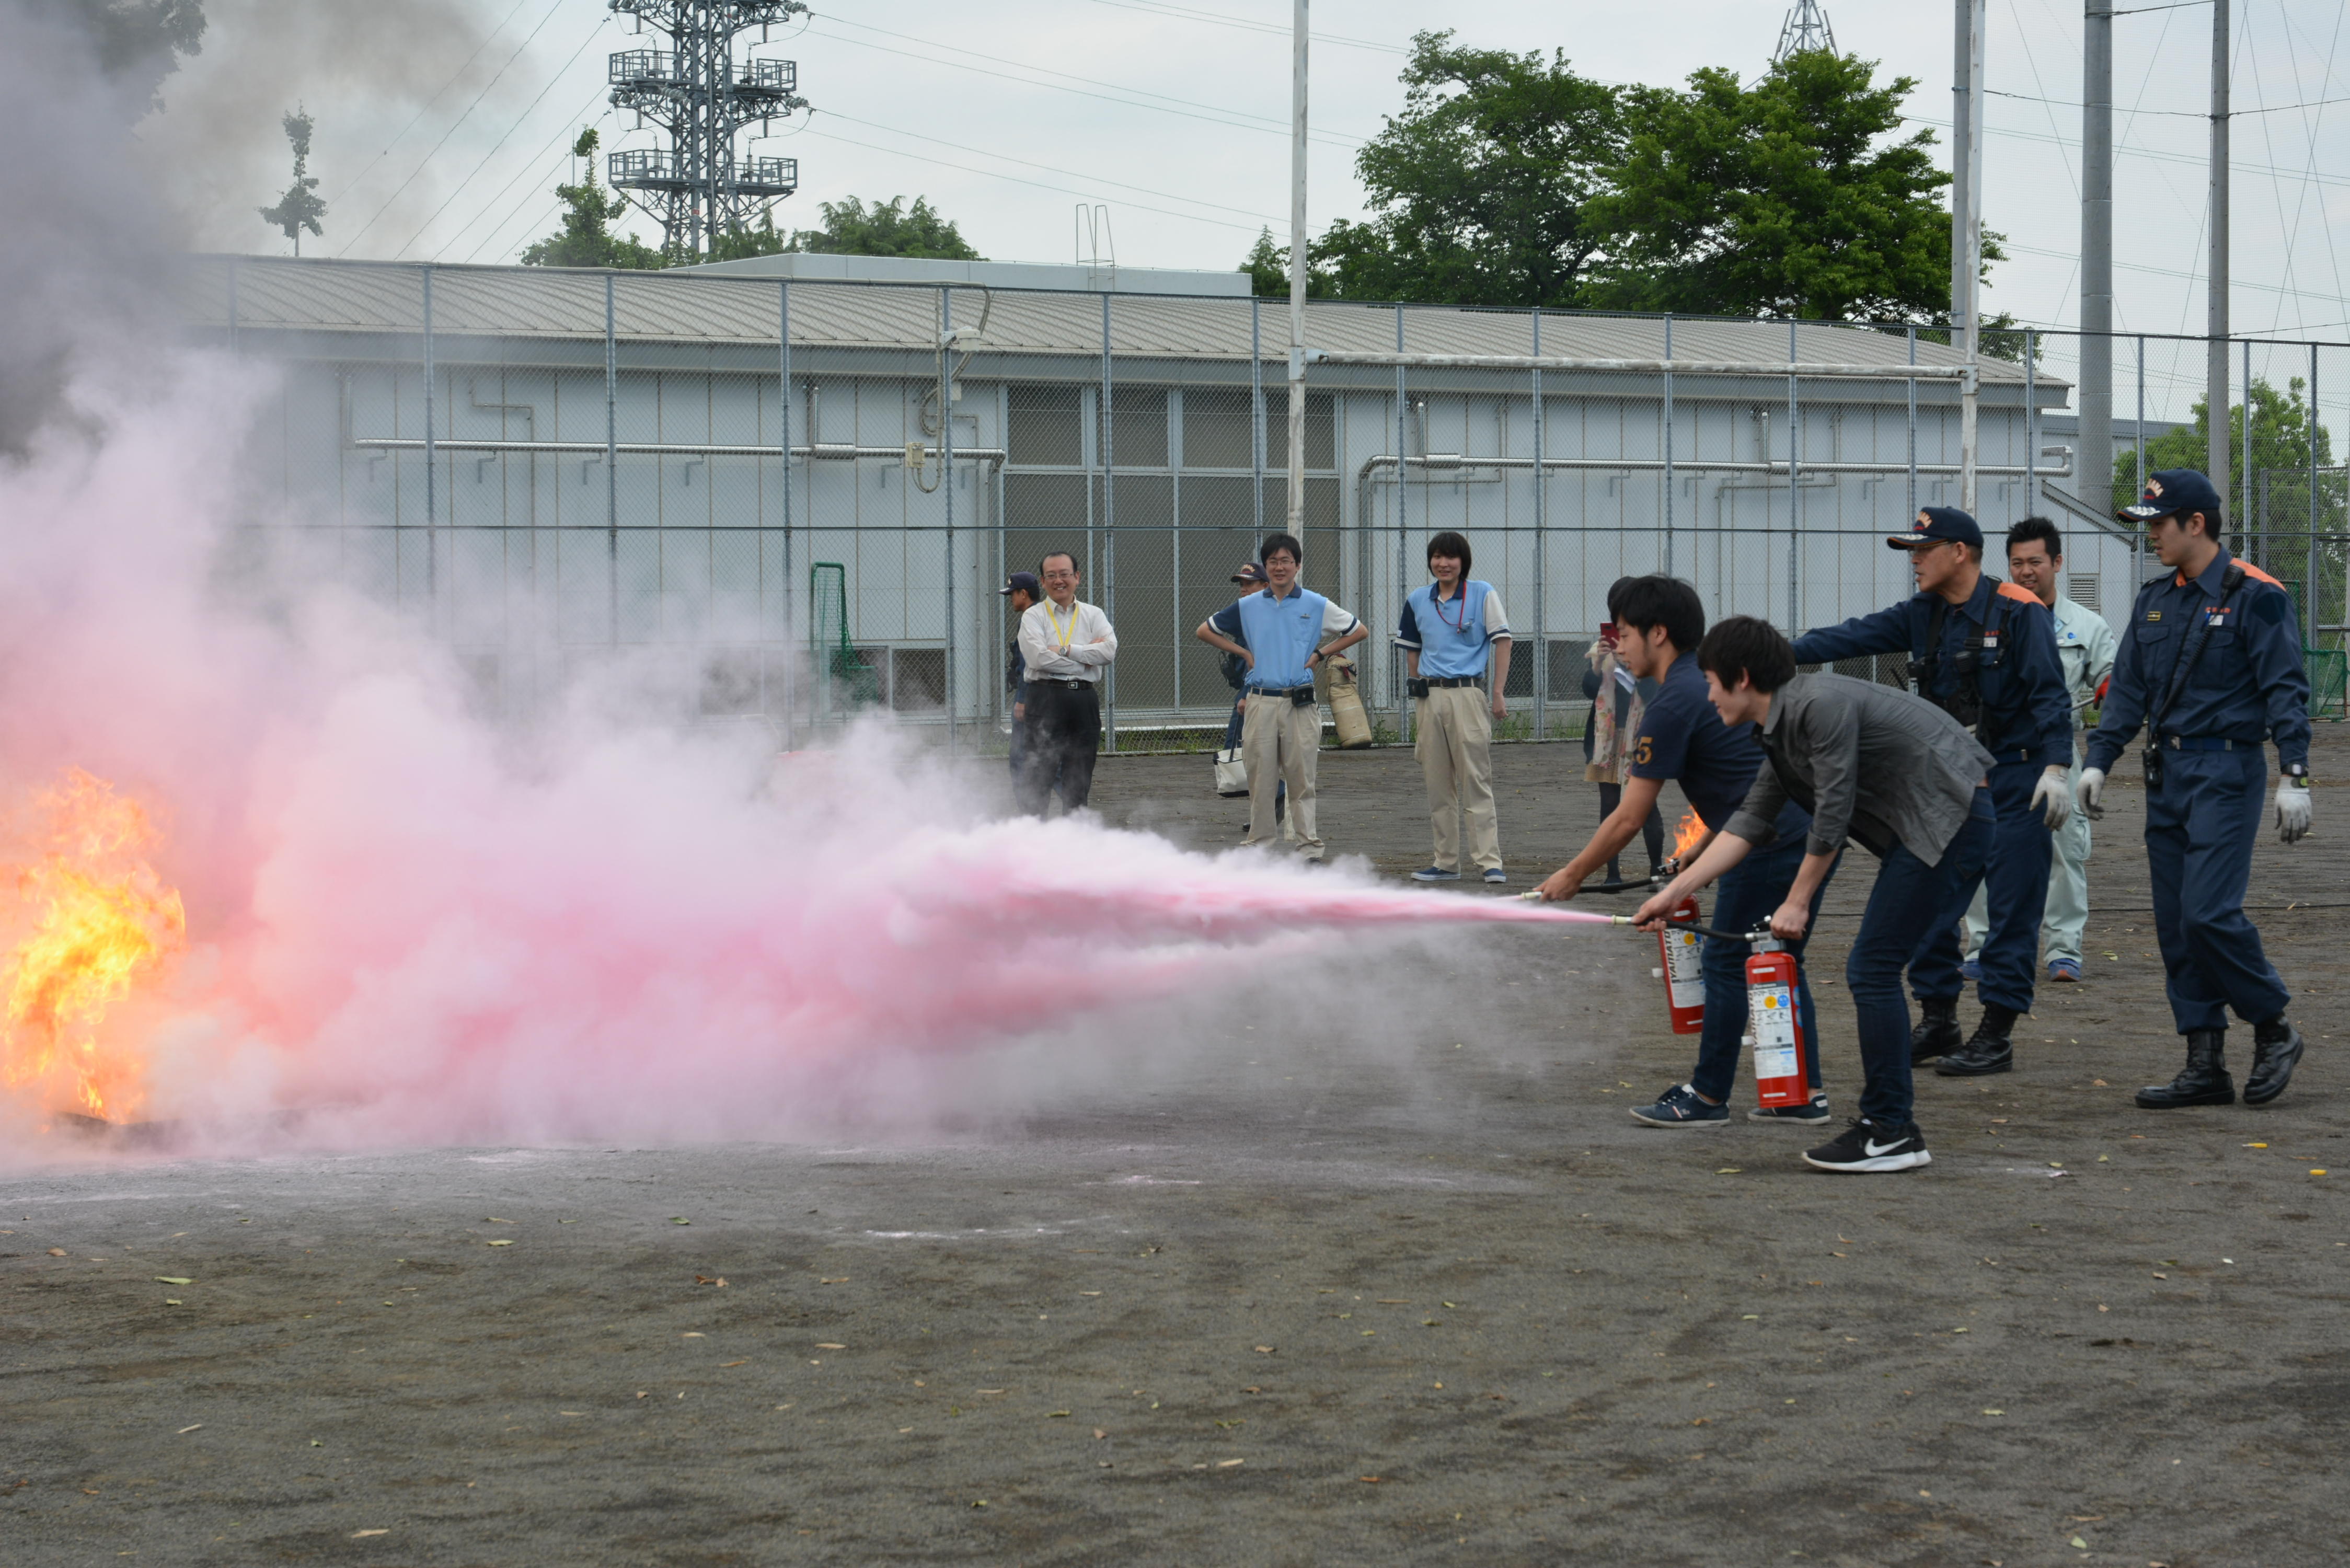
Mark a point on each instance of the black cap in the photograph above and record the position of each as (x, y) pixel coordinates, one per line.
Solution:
(1023, 581)
(2172, 491)
(1938, 525)
(1251, 573)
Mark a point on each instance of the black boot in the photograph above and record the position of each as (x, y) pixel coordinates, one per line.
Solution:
(1936, 1030)
(2203, 1082)
(2276, 1052)
(1987, 1050)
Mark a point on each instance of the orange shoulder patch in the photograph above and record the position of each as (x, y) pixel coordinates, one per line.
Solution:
(2025, 596)
(2258, 575)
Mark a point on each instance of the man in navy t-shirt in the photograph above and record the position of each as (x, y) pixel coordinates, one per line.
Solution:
(1660, 622)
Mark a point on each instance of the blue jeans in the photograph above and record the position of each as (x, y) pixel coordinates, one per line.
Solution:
(2199, 828)
(2016, 895)
(1910, 898)
(1757, 885)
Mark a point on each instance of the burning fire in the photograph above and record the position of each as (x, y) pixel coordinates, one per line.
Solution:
(92, 918)
(1686, 835)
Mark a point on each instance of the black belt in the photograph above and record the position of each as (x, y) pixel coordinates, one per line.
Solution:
(2016, 754)
(2206, 744)
(1454, 679)
(1291, 693)
(1059, 680)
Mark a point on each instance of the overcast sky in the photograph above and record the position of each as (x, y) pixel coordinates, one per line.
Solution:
(443, 124)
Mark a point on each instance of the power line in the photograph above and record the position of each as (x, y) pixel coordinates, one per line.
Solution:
(352, 184)
(2172, 113)
(596, 33)
(460, 119)
(536, 160)
(1237, 119)
(1222, 19)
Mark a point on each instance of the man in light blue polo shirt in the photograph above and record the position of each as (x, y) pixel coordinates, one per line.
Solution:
(1450, 630)
(1280, 631)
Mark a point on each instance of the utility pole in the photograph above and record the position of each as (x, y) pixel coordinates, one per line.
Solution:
(1966, 232)
(2215, 287)
(2093, 470)
(703, 97)
(1296, 496)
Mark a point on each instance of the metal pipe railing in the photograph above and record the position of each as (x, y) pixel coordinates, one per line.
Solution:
(1776, 371)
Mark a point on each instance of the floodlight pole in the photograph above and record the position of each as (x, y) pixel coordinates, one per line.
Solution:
(2092, 469)
(1295, 499)
(2215, 390)
(1966, 237)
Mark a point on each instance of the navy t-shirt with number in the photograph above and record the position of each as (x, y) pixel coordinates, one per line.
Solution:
(1681, 737)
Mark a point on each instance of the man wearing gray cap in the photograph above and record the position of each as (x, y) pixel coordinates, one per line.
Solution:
(1983, 651)
(2211, 667)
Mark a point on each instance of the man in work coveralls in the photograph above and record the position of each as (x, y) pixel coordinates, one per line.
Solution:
(2210, 666)
(1983, 651)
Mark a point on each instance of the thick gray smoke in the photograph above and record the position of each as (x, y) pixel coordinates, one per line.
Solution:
(362, 70)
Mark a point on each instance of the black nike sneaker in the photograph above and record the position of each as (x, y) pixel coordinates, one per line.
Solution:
(1865, 1147)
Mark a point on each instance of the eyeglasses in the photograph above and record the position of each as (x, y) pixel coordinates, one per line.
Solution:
(1060, 577)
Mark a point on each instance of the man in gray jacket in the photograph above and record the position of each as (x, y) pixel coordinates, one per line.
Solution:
(1874, 764)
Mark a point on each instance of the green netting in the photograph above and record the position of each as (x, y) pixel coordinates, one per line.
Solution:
(2329, 672)
(849, 681)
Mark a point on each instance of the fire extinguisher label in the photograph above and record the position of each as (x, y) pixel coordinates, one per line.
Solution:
(1771, 1013)
(1684, 971)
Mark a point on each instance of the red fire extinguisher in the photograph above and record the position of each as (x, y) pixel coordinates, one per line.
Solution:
(1781, 1053)
(1683, 972)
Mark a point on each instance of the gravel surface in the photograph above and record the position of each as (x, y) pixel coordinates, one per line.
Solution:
(1385, 1278)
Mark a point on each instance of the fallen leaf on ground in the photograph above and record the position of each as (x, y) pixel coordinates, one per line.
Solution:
(2080, 1543)
(185, 1430)
(842, 1280)
(697, 1333)
(1265, 1350)
(679, 1220)
(1994, 1412)
(1099, 1433)
(726, 1364)
(501, 1243)
(56, 1252)
(1227, 1464)
(708, 1280)
(1730, 1171)
(172, 1280)
(832, 1347)
(1373, 1479)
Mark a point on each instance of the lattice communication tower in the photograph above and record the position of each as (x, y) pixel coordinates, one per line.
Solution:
(1806, 28)
(703, 98)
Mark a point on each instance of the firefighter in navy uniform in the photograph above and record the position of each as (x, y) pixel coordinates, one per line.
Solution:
(1984, 651)
(2210, 666)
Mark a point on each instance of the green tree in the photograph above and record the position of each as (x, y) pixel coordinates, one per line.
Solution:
(888, 228)
(1779, 199)
(586, 238)
(300, 207)
(2282, 431)
(1267, 265)
(1479, 190)
(141, 40)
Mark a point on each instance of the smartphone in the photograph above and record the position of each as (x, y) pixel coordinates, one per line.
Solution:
(1608, 632)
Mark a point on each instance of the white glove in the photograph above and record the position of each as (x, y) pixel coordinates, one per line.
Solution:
(2052, 800)
(2292, 810)
(2091, 788)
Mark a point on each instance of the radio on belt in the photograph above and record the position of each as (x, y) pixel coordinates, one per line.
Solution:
(1781, 1053)
(1683, 968)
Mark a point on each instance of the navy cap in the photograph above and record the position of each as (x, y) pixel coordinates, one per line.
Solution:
(1938, 525)
(2170, 491)
(1019, 581)
(1251, 573)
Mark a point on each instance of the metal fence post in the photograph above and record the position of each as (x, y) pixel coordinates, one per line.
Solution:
(946, 483)
(1109, 530)
(2138, 538)
(1668, 441)
(612, 461)
(1256, 410)
(2309, 579)
(1403, 453)
(2031, 427)
(784, 380)
(431, 488)
(1540, 666)
(1913, 431)
(1795, 488)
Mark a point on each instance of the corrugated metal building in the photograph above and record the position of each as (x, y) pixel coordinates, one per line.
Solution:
(553, 461)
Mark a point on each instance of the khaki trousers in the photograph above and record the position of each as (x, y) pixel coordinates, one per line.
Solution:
(1455, 748)
(2067, 915)
(1280, 741)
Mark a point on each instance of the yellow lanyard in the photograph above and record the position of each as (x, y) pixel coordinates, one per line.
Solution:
(1063, 638)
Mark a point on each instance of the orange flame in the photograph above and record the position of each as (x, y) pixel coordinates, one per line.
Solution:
(94, 918)
(1687, 836)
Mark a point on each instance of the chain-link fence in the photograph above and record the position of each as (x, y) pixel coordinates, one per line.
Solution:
(811, 492)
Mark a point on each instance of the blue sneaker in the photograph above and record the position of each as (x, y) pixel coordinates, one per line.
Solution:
(1435, 874)
(1972, 971)
(1682, 1107)
(1810, 1114)
(2064, 968)
(1495, 877)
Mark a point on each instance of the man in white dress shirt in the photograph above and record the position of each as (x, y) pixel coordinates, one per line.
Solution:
(1066, 646)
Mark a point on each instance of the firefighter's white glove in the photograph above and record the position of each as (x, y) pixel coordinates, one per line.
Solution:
(2292, 810)
(2052, 799)
(2090, 790)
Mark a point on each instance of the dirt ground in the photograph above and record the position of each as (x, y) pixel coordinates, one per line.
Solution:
(1449, 1306)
